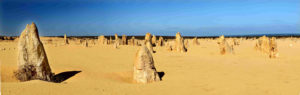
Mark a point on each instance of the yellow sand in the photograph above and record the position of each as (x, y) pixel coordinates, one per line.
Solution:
(200, 71)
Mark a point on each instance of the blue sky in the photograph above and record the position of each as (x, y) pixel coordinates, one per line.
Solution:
(159, 17)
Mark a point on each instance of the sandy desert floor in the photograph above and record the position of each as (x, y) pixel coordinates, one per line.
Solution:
(200, 71)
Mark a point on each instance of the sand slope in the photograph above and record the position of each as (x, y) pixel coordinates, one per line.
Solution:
(200, 71)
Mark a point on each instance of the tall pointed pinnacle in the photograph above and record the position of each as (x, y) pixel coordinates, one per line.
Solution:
(34, 31)
(27, 27)
(33, 27)
(179, 43)
(66, 39)
(32, 59)
(144, 70)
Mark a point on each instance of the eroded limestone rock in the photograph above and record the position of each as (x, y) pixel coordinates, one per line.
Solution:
(147, 37)
(179, 43)
(144, 70)
(195, 41)
(102, 40)
(117, 41)
(32, 59)
(124, 40)
(224, 46)
(267, 46)
(149, 46)
(66, 39)
(160, 41)
(132, 41)
(153, 40)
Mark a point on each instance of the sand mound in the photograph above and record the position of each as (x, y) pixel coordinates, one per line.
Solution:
(7, 75)
(124, 77)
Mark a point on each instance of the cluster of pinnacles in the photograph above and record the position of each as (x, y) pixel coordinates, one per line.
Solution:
(7, 38)
(102, 40)
(225, 48)
(132, 41)
(150, 41)
(267, 46)
(179, 45)
(33, 62)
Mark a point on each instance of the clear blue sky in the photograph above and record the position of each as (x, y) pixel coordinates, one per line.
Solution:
(159, 17)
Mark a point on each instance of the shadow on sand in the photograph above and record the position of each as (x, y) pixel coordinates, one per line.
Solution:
(161, 75)
(58, 78)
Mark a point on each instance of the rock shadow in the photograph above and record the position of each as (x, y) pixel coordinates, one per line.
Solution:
(161, 75)
(58, 78)
(154, 51)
